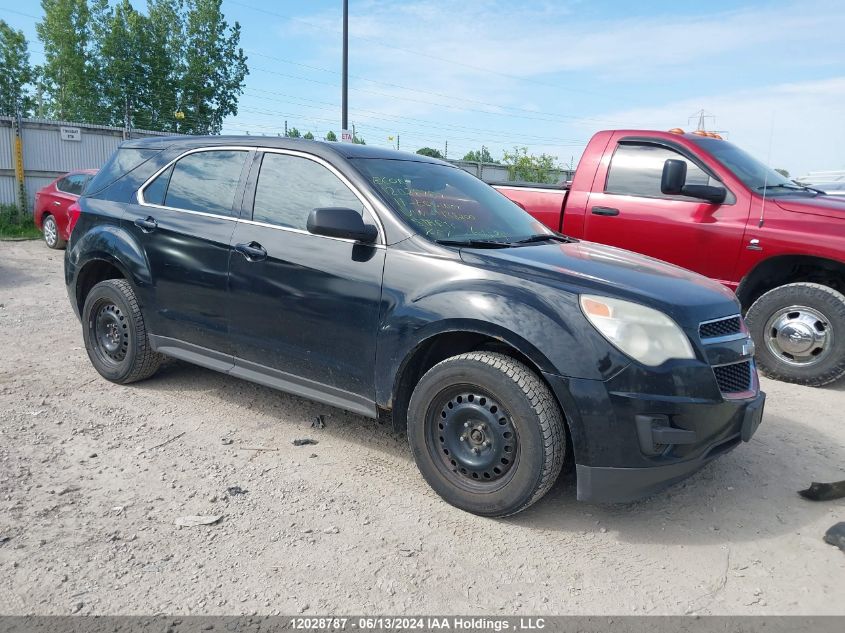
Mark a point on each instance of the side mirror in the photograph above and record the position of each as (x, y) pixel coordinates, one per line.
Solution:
(673, 182)
(341, 222)
(674, 177)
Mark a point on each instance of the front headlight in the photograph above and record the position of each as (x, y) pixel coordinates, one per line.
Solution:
(644, 334)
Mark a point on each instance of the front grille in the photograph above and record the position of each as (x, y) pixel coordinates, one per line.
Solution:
(722, 327)
(734, 378)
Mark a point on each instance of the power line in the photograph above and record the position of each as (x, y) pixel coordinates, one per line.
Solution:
(322, 27)
(430, 92)
(397, 118)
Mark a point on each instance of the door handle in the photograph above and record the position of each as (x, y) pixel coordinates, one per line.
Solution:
(605, 211)
(147, 224)
(57, 203)
(253, 252)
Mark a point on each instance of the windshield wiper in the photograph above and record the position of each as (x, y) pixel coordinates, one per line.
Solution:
(470, 243)
(790, 186)
(542, 237)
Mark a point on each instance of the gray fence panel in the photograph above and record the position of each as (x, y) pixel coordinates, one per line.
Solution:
(46, 155)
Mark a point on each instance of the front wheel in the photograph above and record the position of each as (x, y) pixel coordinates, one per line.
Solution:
(486, 433)
(799, 332)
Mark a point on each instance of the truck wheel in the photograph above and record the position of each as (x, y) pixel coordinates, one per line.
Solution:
(51, 232)
(486, 433)
(799, 332)
(115, 335)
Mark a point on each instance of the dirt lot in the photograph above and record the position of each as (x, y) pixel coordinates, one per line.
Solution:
(88, 502)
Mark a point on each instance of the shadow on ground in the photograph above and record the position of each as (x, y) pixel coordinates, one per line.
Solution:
(748, 494)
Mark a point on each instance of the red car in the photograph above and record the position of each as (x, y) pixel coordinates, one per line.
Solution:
(51, 205)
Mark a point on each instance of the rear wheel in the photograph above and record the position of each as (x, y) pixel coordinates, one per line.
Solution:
(486, 433)
(115, 335)
(51, 232)
(799, 332)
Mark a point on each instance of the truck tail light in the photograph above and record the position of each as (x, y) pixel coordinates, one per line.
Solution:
(73, 213)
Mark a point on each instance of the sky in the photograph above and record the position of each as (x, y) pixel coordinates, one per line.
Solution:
(542, 74)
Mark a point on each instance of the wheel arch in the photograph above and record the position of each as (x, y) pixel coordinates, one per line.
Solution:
(785, 269)
(451, 340)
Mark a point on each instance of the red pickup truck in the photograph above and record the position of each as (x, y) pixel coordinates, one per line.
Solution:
(700, 202)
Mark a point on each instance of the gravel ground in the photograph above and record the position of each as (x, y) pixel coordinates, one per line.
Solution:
(93, 476)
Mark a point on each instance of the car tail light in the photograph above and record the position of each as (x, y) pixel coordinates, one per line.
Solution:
(73, 213)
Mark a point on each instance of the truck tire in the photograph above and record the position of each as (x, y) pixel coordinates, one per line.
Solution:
(799, 332)
(486, 433)
(50, 228)
(115, 335)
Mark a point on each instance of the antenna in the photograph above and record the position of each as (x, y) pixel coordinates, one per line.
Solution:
(766, 177)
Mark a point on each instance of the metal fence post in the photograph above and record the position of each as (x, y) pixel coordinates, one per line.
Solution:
(17, 124)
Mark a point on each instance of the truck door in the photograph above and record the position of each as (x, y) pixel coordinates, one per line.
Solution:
(627, 209)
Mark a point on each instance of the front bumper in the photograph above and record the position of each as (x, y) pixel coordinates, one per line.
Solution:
(629, 443)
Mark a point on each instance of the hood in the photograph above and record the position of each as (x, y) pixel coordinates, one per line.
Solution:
(585, 267)
(828, 206)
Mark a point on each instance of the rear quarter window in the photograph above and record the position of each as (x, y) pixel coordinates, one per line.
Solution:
(123, 161)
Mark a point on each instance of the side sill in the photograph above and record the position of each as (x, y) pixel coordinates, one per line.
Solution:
(298, 386)
(191, 353)
(263, 375)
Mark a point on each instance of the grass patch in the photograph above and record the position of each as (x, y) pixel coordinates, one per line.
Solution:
(11, 227)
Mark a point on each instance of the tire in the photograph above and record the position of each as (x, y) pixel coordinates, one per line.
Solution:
(505, 413)
(799, 332)
(50, 228)
(115, 335)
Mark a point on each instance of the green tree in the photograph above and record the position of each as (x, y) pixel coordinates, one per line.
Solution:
(308, 136)
(331, 136)
(483, 156)
(358, 140)
(293, 133)
(429, 151)
(69, 74)
(121, 35)
(214, 68)
(528, 167)
(783, 172)
(17, 74)
(165, 67)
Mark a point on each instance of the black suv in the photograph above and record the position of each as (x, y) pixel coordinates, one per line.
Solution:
(402, 288)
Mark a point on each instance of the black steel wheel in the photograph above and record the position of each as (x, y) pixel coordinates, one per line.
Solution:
(474, 439)
(486, 433)
(115, 335)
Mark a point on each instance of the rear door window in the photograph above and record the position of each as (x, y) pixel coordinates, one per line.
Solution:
(290, 187)
(636, 170)
(203, 181)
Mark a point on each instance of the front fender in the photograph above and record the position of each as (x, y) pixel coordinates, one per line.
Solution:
(542, 323)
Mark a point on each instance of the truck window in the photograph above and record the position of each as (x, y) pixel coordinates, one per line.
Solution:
(636, 169)
(202, 181)
(290, 187)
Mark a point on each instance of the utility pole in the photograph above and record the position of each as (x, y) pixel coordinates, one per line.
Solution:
(397, 142)
(446, 150)
(286, 128)
(345, 90)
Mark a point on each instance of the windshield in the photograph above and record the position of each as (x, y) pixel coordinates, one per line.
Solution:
(754, 174)
(447, 204)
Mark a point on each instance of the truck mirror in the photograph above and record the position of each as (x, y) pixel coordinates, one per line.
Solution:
(674, 177)
(716, 195)
(673, 182)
